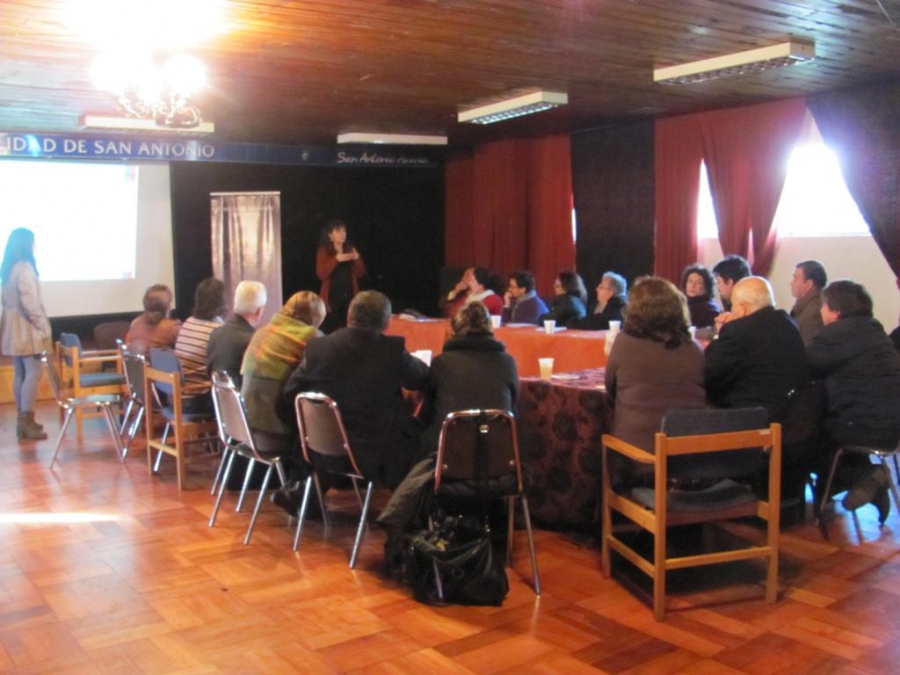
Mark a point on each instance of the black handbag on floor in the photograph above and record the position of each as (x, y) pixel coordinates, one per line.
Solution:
(459, 551)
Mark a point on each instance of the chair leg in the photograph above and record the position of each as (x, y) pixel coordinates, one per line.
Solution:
(126, 416)
(259, 501)
(534, 563)
(823, 500)
(510, 529)
(114, 431)
(228, 461)
(326, 521)
(438, 584)
(659, 572)
(219, 470)
(135, 425)
(245, 485)
(62, 433)
(302, 515)
(362, 525)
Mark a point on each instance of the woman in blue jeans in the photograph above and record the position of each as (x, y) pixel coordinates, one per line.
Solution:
(24, 327)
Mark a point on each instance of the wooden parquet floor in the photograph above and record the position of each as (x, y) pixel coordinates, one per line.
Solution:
(104, 569)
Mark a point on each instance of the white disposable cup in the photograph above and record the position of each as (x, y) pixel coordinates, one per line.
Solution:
(424, 355)
(549, 327)
(693, 331)
(546, 366)
(495, 320)
(614, 326)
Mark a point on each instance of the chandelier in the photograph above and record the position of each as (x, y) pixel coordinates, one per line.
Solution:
(146, 90)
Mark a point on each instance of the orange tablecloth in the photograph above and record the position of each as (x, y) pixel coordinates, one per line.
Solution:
(570, 349)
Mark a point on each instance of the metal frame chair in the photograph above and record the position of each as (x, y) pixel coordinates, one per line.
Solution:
(235, 431)
(69, 405)
(478, 452)
(162, 382)
(883, 454)
(135, 367)
(322, 431)
(702, 443)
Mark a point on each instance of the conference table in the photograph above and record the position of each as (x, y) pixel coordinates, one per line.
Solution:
(561, 419)
(561, 422)
(570, 349)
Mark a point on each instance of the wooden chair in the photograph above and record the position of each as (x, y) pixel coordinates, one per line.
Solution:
(70, 405)
(162, 382)
(478, 461)
(235, 432)
(714, 445)
(322, 434)
(82, 371)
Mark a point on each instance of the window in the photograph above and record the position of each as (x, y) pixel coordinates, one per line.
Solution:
(814, 203)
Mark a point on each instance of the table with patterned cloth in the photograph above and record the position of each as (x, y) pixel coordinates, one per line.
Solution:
(561, 421)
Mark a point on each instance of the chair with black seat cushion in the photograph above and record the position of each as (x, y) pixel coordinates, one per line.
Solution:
(69, 405)
(722, 448)
(83, 371)
(235, 431)
(326, 449)
(477, 462)
(163, 382)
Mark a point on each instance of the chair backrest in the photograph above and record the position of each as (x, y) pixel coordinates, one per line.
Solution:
(107, 334)
(69, 340)
(478, 445)
(705, 421)
(135, 367)
(231, 414)
(803, 417)
(53, 376)
(165, 360)
(321, 427)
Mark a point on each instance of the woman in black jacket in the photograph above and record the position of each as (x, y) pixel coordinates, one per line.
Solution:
(861, 370)
(569, 303)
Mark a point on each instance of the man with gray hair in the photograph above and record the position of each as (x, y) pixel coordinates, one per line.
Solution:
(758, 357)
(228, 342)
(365, 371)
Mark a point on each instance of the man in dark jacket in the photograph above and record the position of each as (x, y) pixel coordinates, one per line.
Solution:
(364, 371)
(758, 357)
(228, 342)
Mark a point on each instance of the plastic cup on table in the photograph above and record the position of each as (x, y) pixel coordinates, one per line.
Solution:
(546, 368)
(549, 327)
(614, 326)
(495, 320)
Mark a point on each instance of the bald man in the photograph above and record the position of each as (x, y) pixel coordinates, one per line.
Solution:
(758, 357)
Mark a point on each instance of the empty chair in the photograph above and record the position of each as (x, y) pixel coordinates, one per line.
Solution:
(83, 370)
(478, 461)
(135, 409)
(719, 446)
(324, 439)
(238, 438)
(163, 381)
(69, 405)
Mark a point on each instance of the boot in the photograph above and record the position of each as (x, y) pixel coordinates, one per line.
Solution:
(28, 429)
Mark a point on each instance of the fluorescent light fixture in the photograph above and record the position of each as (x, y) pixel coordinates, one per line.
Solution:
(392, 139)
(109, 123)
(534, 102)
(740, 63)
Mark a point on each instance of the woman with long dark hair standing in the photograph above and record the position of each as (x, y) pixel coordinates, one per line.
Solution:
(24, 327)
(339, 267)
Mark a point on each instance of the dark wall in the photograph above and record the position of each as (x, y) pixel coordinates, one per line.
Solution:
(613, 185)
(394, 216)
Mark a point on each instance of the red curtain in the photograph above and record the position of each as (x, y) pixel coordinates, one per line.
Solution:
(679, 153)
(746, 151)
(861, 127)
(509, 207)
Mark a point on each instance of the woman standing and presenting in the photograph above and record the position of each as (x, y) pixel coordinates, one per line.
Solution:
(24, 327)
(339, 266)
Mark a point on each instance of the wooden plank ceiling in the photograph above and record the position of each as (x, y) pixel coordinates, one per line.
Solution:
(304, 71)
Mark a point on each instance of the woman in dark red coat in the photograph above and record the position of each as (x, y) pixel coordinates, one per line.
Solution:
(340, 267)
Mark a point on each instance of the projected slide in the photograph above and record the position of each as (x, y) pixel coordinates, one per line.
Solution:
(103, 230)
(84, 216)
